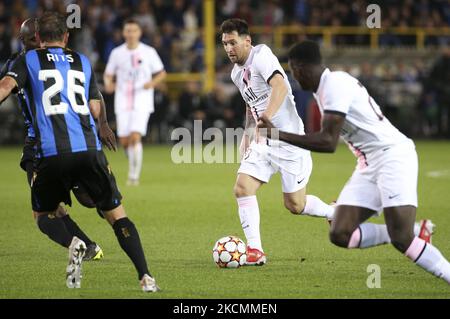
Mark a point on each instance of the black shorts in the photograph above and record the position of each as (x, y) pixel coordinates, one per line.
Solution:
(28, 153)
(27, 159)
(55, 176)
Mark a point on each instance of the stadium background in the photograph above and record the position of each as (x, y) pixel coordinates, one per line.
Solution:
(405, 64)
(181, 210)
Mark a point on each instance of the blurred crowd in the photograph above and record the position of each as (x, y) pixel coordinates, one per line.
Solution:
(174, 29)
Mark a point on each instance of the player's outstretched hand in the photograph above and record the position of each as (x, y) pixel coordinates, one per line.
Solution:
(265, 126)
(107, 137)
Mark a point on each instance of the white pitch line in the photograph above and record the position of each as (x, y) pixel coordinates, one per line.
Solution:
(445, 173)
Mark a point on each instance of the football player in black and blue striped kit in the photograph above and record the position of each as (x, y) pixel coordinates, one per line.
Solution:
(93, 251)
(63, 99)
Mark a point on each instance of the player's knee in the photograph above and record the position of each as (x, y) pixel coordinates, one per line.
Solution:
(115, 214)
(123, 142)
(401, 241)
(134, 139)
(240, 190)
(60, 211)
(340, 238)
(295, 208)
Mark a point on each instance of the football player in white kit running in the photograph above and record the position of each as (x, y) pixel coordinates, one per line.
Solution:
(138, 69)
(386, 175)
(266, 90)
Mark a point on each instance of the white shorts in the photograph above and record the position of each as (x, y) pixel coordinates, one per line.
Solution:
(294, 164)
(389, 182)
(132, 121)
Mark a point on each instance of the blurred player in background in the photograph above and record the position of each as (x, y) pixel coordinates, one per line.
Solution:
(137, 69)
(265, 88)
(93, 251)
(386, 175)
(64, 99)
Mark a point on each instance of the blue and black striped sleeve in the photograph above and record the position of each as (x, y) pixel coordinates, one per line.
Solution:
(19, 71)
(7, 66)
(94, 92)
(5, 69)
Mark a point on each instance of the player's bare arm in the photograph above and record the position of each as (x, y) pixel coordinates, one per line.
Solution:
(277, 96)
(156, 79)
(94, 107)
(106, 134)
(324, 141)
(110, 85)
(7, 84)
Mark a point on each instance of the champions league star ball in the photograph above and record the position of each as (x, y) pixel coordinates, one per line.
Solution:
(229, 252)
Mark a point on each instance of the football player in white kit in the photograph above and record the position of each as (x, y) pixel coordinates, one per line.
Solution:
(265, 88)
(386, 174)
(138, 69)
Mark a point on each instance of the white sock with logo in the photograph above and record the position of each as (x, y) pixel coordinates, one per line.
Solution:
(249, 215)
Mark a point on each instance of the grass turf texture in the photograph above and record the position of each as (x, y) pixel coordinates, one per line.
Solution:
(181, 210)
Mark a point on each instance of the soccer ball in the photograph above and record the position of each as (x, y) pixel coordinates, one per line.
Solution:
(229, 252)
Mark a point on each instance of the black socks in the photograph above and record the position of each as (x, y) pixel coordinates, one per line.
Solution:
(73, 229)
(55, 229)
(129, 240)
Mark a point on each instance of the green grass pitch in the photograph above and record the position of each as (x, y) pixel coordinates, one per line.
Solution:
(181, 210)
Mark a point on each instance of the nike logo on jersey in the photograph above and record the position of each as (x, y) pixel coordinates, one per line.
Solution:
(393, 196)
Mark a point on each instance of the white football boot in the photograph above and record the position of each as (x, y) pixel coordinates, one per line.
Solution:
(148, 284)
(77, 249)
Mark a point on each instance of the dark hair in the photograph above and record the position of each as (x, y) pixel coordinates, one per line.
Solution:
(131, 21)
(238, 25)
(51, 26)
(305, 52)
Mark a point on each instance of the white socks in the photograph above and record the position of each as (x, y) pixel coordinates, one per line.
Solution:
(369, 235)
(423, 254)
(135, 154)
(249, 215)
(316, 207)
(429, 258)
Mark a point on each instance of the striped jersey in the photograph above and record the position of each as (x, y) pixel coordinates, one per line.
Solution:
(21, 95)
(59, 83)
